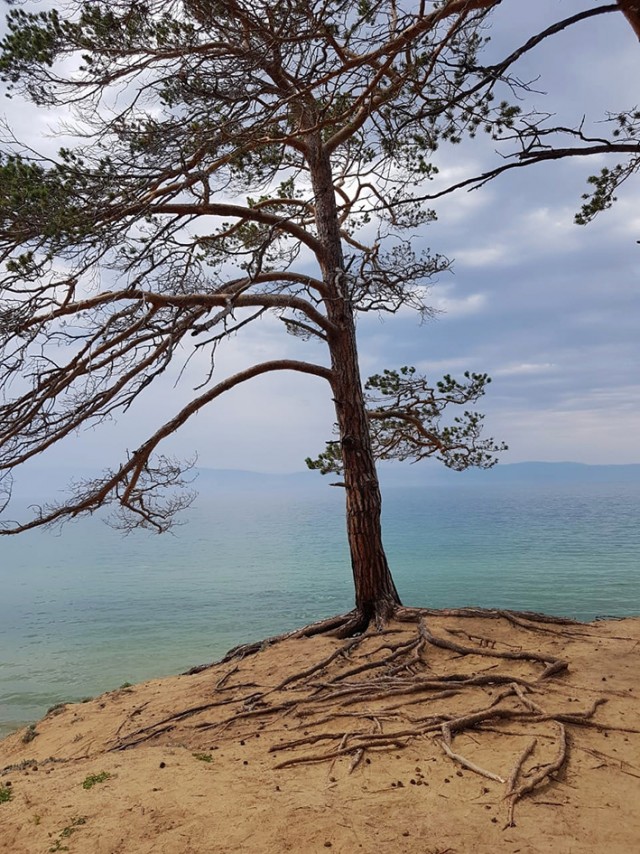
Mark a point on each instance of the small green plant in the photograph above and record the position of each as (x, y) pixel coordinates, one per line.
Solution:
(56, 709)
(71, 828)
(126, 685)
(92, 779)
(29, 734)
(5, 794)
(203, 757)
(66, 832)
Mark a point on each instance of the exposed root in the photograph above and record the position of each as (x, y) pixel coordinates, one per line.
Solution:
(373, 693)
(310, 759)
(513, 777)
(466, 763)
(553, 665)
(341, 652)
(524, 619)
(355, 623)
(333, 625)
(542, 774)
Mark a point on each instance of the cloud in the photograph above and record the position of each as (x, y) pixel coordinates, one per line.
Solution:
(445, 366)
(442, 299)
(524, 368)
(549, 309)
(580, 435)
(484, 256)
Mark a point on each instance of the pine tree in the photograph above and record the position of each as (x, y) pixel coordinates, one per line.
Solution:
(235, 158)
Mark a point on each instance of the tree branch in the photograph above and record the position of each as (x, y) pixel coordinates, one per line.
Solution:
(105, 491)
(631, 11)
(242, 213)
(527, 159)
(200, 300)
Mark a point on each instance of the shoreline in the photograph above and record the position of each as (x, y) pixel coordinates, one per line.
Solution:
(86, 611)
(9, 726)
(246, 753)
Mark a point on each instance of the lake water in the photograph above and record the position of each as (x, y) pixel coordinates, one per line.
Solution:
(86, 610)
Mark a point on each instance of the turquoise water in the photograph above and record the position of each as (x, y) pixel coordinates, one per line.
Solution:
(86, 610)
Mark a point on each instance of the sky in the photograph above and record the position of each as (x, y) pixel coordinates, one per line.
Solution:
(549, 309)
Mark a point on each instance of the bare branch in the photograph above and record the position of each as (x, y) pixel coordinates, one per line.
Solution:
(127, 488)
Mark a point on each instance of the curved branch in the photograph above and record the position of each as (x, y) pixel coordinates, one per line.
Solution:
(226, 385)
(631, 10)
(242, 213)
(185, 301)
(128, 474)
(554, 29)
(527, 160)
(242, 301)
(401, 415)
(296, 278)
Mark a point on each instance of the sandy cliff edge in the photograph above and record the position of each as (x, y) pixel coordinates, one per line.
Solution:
(353, 754)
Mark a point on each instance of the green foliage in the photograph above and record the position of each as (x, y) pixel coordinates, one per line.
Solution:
(66, 833)
(405, 418)
(328, 461)
(602, 196)
(57, 207)
(626, 132)
(35, 41)
(203, 757)
(76, 822)
(29, 734)
(208, 135)
(92, 779)
(6, 793)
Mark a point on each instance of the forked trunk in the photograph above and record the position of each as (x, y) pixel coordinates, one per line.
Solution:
(375, 591)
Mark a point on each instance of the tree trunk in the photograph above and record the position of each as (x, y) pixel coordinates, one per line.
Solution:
(376, 594)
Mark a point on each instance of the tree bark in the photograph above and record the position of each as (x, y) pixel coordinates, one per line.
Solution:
(376, 594)
(375, 591)
(631, 11)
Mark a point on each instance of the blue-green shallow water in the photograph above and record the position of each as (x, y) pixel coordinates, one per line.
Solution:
(87, 610)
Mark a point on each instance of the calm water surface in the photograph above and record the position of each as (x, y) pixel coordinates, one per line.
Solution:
(86, 610)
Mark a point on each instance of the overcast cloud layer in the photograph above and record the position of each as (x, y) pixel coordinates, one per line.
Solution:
(549, 309)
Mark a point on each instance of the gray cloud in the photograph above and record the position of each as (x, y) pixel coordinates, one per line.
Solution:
(550, 309)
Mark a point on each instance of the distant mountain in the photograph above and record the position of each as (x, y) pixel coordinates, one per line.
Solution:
(49, 484)
(538, 472)
(528, 472)
(394, 474)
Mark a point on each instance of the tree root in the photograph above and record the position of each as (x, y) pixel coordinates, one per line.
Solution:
(466, 763)
(553, 665)
(332, 625)
(355, 623)
(544, 772)
(372, 693)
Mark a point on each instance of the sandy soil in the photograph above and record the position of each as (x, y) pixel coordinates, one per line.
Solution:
(189, 764)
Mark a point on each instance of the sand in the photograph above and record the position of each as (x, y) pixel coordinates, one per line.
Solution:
(126, 772)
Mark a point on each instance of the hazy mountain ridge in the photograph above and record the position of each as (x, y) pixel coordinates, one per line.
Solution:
(432, 473)
(49, 484)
